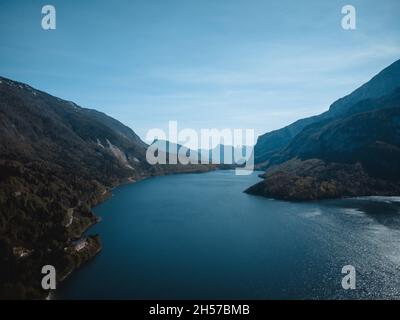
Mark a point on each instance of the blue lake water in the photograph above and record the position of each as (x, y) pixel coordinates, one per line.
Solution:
(194, 236)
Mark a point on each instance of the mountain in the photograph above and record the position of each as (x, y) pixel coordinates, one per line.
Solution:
(354, 153)
(227, 155)
(170, 149)
(380, 85)
(368, 133)
(217, 156)
(357, 155)
(57, 160)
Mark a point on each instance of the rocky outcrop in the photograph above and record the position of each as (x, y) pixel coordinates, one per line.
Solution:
(314, 179)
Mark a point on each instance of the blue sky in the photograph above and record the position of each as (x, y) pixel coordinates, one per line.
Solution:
(205, 63)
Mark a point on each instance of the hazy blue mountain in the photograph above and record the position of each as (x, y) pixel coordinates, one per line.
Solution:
(226, 154)
(217, 155)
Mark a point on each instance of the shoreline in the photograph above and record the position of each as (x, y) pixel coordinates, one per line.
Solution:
(102, 198)
(53, 294)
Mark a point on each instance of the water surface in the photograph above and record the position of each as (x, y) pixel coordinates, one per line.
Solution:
(195, 236)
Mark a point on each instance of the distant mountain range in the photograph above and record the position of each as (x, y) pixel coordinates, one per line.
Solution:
(222, 155)
(57, 160)
(352, 149)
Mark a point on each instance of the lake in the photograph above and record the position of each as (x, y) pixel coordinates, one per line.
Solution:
(198, 236)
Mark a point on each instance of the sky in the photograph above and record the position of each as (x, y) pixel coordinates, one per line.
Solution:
(258, 64)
